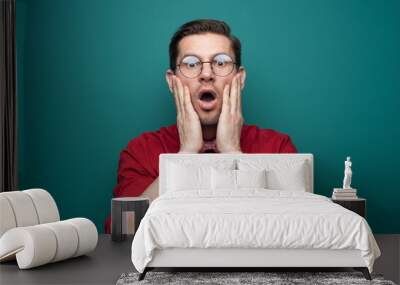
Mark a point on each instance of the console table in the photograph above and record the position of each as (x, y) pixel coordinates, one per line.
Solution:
(356, 205)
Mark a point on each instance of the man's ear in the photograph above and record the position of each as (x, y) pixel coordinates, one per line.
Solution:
(242, 72)
(168, 77)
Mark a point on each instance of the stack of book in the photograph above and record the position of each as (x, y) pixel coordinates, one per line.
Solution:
(344, 194)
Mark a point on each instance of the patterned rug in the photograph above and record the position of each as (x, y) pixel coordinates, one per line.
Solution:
(243, 278)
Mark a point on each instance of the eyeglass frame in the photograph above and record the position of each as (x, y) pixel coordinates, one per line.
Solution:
(202, 64)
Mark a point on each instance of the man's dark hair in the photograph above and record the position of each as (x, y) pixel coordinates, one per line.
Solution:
(203, 26)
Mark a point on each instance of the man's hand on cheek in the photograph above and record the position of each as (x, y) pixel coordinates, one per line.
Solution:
(187, 120)
(231, 120)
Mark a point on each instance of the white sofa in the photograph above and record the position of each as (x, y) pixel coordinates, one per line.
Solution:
(31, 231)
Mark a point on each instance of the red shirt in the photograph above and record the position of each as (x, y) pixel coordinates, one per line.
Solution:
(138, 163)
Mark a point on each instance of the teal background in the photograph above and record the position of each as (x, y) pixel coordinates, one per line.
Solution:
(91, 77)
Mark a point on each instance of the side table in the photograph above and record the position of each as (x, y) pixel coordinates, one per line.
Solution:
(358, 205)
(126, 214)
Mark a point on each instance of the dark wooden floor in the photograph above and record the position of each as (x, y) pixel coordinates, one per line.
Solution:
(389, 262)
(110, 260)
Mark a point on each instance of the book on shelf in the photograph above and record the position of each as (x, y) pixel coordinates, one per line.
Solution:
(344, 195)
(338, 197)
(340, 190)
(344, 198)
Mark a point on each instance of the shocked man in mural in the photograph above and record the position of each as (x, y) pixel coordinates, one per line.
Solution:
(206, 79)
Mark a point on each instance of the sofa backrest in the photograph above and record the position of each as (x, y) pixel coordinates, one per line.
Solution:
(285, 163)
(26, 208)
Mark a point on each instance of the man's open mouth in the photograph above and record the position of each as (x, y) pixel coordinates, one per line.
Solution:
(207, 96)
(207, 100)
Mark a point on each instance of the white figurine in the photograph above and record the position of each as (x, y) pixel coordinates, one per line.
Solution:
(347, 174)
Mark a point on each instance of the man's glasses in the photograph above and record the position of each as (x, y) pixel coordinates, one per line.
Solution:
(221, 65)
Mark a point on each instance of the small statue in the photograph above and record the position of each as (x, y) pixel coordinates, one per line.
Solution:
(347, 174)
